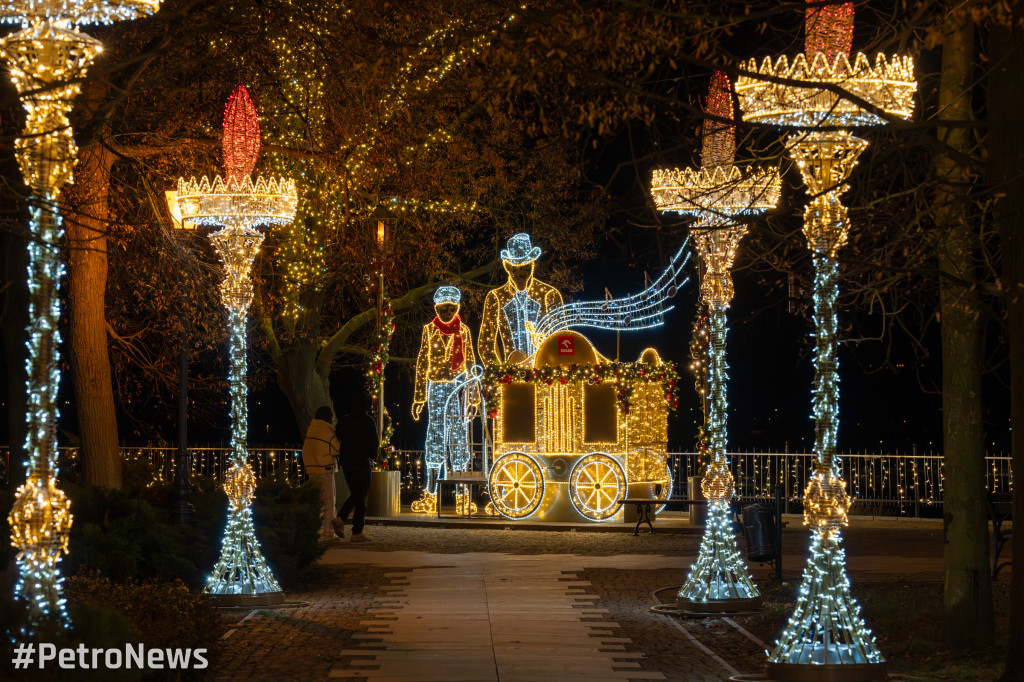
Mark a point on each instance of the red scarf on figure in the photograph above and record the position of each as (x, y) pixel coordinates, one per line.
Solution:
(453, 327)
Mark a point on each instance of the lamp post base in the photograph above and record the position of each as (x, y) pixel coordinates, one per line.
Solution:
(827, 672)
(716, 606)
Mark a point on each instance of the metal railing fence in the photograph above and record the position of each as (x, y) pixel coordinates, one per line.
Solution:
(889, 484)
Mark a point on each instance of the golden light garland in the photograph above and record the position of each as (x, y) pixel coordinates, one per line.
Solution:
(587, 427)
(888, 85)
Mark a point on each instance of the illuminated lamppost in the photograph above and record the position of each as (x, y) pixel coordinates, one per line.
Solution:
(182, 510)
(237, 205)
(48, 59)
(826, 638)
(718, 194)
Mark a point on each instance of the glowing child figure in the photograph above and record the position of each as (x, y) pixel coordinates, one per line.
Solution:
(446, 351)
(511, 310)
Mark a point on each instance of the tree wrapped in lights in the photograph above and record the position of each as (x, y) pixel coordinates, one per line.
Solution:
(825, 635)
(717, 194)
(48, 59)
(237, 206)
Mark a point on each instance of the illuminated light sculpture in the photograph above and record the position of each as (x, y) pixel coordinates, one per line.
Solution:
(513, 310)
(575, 432)
(717, 195)
(446, 353)
(826, 638)
(48, 58)
(631, 313)
(237, 205)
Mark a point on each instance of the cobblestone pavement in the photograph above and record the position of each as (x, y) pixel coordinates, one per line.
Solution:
(307, 642)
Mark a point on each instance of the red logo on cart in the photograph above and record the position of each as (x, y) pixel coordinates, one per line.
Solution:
(567, 345)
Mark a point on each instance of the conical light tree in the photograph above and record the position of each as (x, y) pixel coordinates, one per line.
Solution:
(48, 58)
(826, 638)
(237, 205)
(719, 195)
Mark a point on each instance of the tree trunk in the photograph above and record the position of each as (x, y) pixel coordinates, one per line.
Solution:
(1006, 149)
(305, 388)
(968, 589)
(14, 322)
(94, 391)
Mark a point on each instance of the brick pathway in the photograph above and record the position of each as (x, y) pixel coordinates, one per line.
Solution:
(451, 604)
(490, 620)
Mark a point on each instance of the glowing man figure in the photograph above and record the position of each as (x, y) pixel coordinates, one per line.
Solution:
(446, 351)
(512, 311)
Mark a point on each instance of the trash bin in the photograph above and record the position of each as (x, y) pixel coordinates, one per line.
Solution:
(698, 512)
(385, 493)
(759, 531)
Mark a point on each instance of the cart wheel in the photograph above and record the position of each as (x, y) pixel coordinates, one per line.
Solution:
(516, 485)
(596, 485)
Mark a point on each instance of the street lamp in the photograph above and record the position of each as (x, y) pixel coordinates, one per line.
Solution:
(182, 510)
(237, 205)
(48, 58)
(826, 638)
(719, 195)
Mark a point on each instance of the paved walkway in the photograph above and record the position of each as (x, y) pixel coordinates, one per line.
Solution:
(421, 604)
(489, 620)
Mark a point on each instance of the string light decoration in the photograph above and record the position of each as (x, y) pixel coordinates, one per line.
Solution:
(511, 314)
(380, 356)
(48, 60)
(445, 354)
(631, 313)
(888, 85)
(302, 248)
(241, 140)
(826, 635)
(581, 427)
(699, 369)
(718, 580)
(237, 205)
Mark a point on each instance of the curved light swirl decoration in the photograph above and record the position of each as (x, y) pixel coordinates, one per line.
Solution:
(631, 313)
(826, 630)
(717, 195)
(48, 59)
(237, 205)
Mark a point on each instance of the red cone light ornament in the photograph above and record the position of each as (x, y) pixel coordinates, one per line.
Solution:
(241, 135)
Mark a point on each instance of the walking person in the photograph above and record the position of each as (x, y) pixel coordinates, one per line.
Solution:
(319, 457)
(359, 430)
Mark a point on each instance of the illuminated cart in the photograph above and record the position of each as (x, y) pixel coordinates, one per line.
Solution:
(575, 432)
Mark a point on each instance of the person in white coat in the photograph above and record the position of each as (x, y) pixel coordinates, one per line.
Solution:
(320, 459)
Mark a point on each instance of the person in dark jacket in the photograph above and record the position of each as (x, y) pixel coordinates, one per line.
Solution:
(357, 430)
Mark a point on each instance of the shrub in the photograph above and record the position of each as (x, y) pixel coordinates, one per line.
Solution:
(163, 615)
(106, 615)
(123, 537)
(287, 520)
